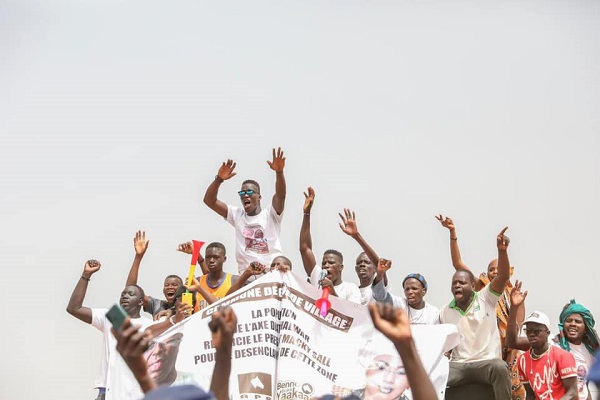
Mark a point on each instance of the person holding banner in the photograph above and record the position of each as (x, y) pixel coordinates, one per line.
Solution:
(332, 263)
(415, 288)
(257, 230)
(477, 358)
(152, 305)
(114, 381)
(366, 262)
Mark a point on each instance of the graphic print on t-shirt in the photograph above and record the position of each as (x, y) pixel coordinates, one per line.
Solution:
(255, 239)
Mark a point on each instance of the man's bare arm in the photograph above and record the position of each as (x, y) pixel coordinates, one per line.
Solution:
(210, 197)
(75, 306)
(140, 244)
(277, 165)
(306, 252)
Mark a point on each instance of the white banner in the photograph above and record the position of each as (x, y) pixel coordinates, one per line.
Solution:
(284, 349)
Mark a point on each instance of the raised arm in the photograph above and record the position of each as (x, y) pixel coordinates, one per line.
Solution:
(255, 268)
(140, 244)
(277, 165)
(395, 325)
(457, 261)
(75, 306)
(350, 228)
(382, 267)
(210, 197)
(517, 307)
(499, 282)
(188, 248)
(308, 257)
(222, 326)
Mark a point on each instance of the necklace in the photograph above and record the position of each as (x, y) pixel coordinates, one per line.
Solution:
(537, 356)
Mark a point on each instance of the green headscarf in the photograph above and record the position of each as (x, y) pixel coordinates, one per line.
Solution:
(590, 338)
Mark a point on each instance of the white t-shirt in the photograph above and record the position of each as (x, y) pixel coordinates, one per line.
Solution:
(256, 236)
(583, 363)
(345, 290)
(478, 328)
(428, 315)
(114, 374)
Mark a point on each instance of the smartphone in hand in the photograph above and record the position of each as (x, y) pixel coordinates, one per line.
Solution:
(116, 315)
(187, 298)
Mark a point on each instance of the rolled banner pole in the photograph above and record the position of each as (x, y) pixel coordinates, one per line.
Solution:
(195, 254)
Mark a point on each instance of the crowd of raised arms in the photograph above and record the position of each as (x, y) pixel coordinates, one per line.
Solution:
(492, 351)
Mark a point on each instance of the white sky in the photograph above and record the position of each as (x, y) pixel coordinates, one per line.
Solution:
(115, 116)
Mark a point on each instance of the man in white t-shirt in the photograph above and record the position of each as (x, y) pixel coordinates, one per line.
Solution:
(115, 380)
(478, 356)
(366, 262)
(257, 230)
(332, 263)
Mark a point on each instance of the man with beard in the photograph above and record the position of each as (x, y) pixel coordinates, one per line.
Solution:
(477, 358)
(152, 305)
(114, 381)
(332, 263)
(366, 262)
(257, 230)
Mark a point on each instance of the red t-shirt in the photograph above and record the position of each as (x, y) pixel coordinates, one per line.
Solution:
(545, 375)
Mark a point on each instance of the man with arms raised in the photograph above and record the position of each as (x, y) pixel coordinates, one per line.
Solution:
(257, 230)
(332, 263)
(152, 305)
(477, 358)
(114, 381)
(366, 262)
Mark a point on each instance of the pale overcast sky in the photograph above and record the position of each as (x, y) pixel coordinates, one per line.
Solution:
(115, 116)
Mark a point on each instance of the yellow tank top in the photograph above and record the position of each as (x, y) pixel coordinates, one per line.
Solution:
(219, 292)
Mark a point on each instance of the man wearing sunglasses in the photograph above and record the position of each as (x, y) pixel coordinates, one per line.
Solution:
(549, 370)
(257, 230)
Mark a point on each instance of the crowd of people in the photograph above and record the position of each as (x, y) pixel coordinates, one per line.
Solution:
(488, 310)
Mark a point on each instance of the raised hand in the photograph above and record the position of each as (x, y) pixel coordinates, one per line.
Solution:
(222, 326)
(278, 162)
(91, 267)
(383, 266)
(516, 296)
(256, 268)
(392, 322)
(309, 199)
(446, 222)
(226, 170)
(140, 244)
(502, 241)
(348, 224)
(187, 247)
